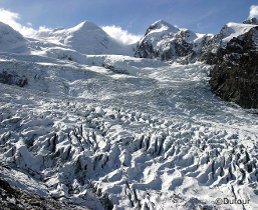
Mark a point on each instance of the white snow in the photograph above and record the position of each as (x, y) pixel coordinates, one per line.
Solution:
(157, 31)
(231, 30)
(87, 38)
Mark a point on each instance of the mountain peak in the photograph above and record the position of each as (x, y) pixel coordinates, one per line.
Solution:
(161, 25)
(86, 25)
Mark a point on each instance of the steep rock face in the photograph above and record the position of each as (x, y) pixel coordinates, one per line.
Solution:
(235, 75)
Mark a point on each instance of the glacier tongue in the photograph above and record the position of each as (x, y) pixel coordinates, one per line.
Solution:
(123, 132)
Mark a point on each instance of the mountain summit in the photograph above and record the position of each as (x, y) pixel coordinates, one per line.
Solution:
(161, 26)
(87, 38)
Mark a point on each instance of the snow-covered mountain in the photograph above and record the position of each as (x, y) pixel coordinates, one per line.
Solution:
(168, 42)
(233, 30)
(209, 52)
(86, 38)
(11, 40)
(86, 131)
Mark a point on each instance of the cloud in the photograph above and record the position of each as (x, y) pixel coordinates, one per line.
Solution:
(11, 19)
(121, 35)
(253, 11)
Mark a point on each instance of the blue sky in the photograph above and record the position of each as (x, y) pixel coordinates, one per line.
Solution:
(206, 16)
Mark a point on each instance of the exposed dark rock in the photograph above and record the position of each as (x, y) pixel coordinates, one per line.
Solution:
(252, 21)
(13, 79)
(210, 47)
(114, 69)
(235, 75)
(145, 50)
(15, 199)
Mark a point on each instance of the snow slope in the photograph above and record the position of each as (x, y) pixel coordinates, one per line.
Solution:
(11, 40)
(133, 132)
(231, 30)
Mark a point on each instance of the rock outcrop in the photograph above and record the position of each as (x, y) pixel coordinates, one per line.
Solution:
(13, 79)
(12, 198)
(252, 21)
(235, 75)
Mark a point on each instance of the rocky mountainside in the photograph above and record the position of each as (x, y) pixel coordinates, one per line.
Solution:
(252, 21)
(235, 75)
(12, 198)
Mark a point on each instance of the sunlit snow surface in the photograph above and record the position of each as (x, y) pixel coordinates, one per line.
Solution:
(145, 134)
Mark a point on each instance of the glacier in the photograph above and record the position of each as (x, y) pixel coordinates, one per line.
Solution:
(112, 131)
